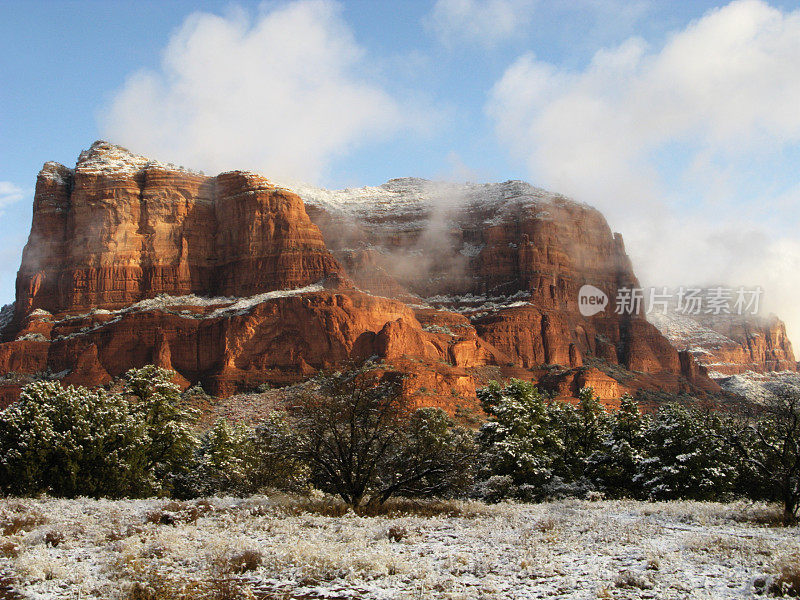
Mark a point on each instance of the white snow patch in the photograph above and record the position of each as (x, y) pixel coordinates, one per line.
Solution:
(684, 332)
(32, 337)
(477, 305)
(411, 200)
(243, 305)
(472, 250)
(103, 158)
(164, 302)
(759, 387)
(55, 172)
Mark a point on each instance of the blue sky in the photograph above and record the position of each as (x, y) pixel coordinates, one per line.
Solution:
(677, 119)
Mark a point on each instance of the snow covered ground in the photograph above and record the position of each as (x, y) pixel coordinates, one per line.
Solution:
(273, 548)
(760, 387)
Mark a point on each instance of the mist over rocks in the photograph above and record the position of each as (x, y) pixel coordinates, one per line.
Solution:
(730, 344)
(235, 280)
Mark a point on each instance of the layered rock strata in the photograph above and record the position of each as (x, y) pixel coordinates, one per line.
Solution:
(234, 281)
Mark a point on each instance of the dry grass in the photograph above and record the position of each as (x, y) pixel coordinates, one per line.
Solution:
(9, 548)
(229, 549)
(329, 506)
(174, 512)
(633, 579)
(116, 530)
(242, 562)
(54, 537)
(787, 576)
(716, 513)
(145, 571)
(548, 523)
(396, 533)
(17, 517)
(157, 585)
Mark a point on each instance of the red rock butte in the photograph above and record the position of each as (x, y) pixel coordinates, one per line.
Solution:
(234, 281)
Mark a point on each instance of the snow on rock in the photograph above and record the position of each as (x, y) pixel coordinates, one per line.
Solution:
(57, 173)
(476, 305)
(6, 315)
(686, 333)
(103, 158)
(243, 305)
(412, 199)
(32, 337)
(40, 313)
(760, 387)
(225, 307)
(472, 250)
(728, 343)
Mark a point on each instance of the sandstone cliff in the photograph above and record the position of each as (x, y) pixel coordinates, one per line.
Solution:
(119, 228)
(234, 281)
(728, 344)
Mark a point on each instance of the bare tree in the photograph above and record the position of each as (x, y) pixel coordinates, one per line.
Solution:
(361, 439)
(769, 444)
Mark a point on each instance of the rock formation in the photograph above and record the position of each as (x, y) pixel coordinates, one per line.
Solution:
(119, 228)
(729, 344)
(234, 281)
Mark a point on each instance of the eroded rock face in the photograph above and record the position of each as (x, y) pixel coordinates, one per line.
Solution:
(234, 281)
(729, 344)
(120, 228)
(509, 256)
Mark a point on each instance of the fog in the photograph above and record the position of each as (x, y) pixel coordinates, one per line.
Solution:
(686, 148)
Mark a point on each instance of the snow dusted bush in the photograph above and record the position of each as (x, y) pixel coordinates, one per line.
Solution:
(77, 442)
(768, 447)
(613, 466)
(276, 464)
(518, 444)
(169, 442)
(223, 463)
(686, 459)
(69, 441)
(354, 436)
(534, 448)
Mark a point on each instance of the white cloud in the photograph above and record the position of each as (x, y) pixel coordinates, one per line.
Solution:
(10, 193)
(484, 21)
(661, 139)
(282, 94)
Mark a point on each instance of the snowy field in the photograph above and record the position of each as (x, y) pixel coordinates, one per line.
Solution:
(286, 548)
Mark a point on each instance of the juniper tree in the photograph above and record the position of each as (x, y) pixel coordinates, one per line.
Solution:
(71, 441)
(276, 463)
(518, 442)
(169, 442)
(581, 430)
(613, 466)
(223, 462)
(432, 457)
(686, 459)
